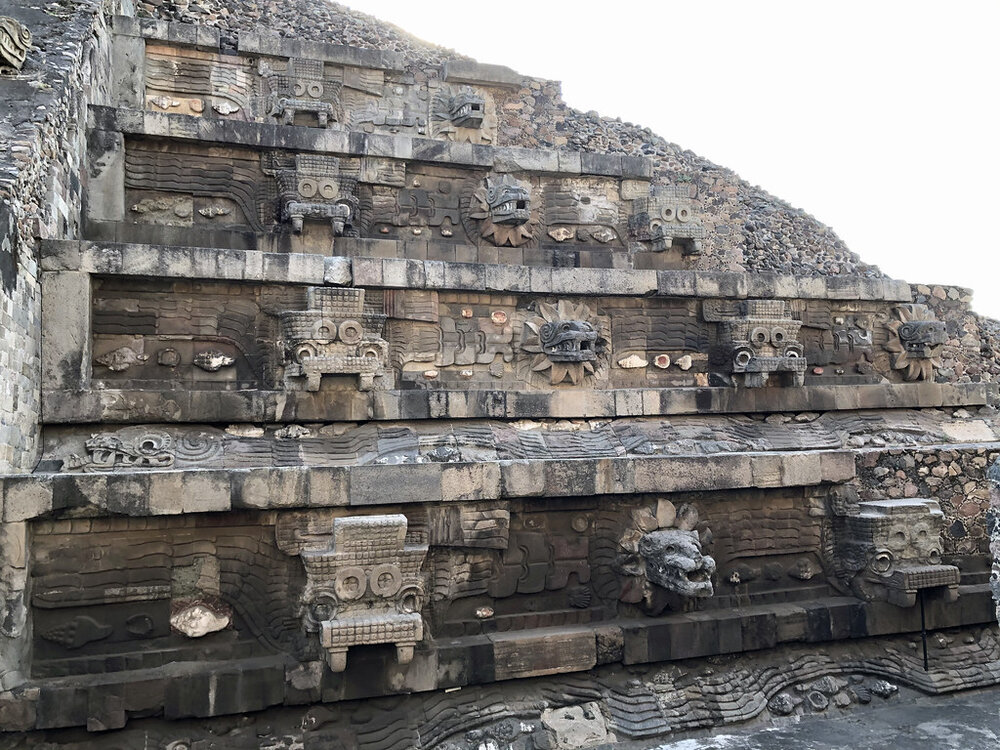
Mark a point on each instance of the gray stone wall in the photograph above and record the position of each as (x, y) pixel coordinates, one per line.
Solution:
(42, 138)
(42, 114)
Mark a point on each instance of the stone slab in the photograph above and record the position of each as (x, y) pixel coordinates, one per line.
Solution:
(67, 406)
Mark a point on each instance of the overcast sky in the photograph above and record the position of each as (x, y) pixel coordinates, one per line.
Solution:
(878, 117)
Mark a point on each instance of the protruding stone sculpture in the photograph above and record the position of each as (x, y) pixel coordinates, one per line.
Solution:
(464, 109)
(302, 88)
(916, 342)
(893, 547)
(661, 560)
(15, 40)
(365, 588)
(334, 336)
(503, 210)
(311, 187)
(565, 339)
(760, 339)
(674, 561)
(668, 215)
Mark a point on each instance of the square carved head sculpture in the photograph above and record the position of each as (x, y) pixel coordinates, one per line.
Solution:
(894, 546)
(760, 338)
(364, 588)
(667, 216)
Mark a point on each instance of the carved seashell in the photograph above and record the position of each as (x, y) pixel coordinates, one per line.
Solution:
(164, 102)
(212, 360)
(78, 632)
(121, 359)
(561, 234)
(684, 362)
(662, 361)
(225, 108)
(632, 362)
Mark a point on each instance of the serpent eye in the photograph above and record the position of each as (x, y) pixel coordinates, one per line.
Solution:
(882, 562)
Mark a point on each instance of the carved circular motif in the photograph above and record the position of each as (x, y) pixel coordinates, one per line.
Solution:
(322, 605)
(324, 329)
(315, 89)
(778, 335)
(328, 189)
(307, 187)
(683, 214)
(350, 332)
(882, 562)
(386, 579)
(759, 336)
(408, 600)
(304, 352)
(350, 583)
(669, 213)
(742, 357)
(580, 524)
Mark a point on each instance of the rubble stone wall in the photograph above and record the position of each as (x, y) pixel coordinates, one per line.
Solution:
(956, 478)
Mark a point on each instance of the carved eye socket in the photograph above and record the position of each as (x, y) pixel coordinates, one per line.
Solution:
(308, 188)
(882, 562)
(669, 213)
(759, 336)
(315, 90)
(683, 214)
(934, 558)
(742, 357)
(328, 189)
(298, 89)
(778, 336)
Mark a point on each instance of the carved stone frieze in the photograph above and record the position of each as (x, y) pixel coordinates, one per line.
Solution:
(582, 211)
(15, 41)
(198, 84)
(760, 339)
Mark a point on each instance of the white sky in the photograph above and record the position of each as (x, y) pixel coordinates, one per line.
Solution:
(878, 117)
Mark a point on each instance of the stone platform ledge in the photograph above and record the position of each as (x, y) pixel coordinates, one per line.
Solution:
(208, 38)
(362, 263)
(185, 689)
(258, 135)
(142, 407)
(174, 492)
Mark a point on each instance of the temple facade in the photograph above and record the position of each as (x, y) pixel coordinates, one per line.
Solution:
(375, 397)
